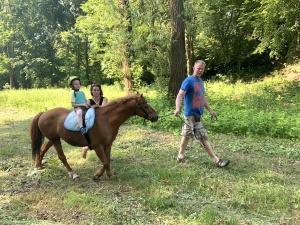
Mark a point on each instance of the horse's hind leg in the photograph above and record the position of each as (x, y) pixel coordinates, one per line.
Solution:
(45, 147)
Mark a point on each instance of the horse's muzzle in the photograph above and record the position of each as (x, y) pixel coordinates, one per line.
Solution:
(153, 119)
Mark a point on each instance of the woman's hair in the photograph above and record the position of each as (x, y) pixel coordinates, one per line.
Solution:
(96, 85)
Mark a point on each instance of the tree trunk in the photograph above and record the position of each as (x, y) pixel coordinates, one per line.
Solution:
(189, 53)
(126, 73)
(189, 37)
(9, 53)
(11, 78)
(86, 53)
(177, 57)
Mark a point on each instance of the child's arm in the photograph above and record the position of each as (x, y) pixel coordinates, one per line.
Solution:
(87, 102)
(78, 105)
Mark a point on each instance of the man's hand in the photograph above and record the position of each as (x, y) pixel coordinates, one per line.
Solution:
(213, 115)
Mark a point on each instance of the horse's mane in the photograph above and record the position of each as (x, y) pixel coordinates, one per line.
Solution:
(120, 100)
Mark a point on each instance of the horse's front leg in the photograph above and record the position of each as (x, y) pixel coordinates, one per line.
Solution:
(107, 153)
(100, 151)
(63, 159)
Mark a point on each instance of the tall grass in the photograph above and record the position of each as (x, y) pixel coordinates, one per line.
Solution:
(35, 100)
(266, 108)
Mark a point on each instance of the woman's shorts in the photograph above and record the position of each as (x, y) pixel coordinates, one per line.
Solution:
(188, 129)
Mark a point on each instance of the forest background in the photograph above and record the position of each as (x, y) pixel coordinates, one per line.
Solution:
(136, 43)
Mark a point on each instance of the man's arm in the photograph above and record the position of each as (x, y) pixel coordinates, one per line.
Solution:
(178, 101)
(206, 105)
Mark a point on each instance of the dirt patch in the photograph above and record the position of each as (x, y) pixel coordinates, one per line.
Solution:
(292, 76)
(291, 72)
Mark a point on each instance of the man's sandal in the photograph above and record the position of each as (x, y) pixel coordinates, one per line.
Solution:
(222, 162)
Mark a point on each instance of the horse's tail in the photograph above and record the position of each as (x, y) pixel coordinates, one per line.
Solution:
(37, 138)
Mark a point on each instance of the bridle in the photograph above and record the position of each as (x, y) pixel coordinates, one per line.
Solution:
(142, 108)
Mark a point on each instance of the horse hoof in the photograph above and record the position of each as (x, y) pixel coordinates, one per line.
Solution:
(112, 177)
(73, 175)
(96, 177)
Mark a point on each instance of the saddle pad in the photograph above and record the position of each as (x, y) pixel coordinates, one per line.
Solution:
(71, 124)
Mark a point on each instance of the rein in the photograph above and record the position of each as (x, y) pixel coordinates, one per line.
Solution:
(166, 115)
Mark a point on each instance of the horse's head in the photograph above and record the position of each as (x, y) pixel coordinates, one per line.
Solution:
(145, 110)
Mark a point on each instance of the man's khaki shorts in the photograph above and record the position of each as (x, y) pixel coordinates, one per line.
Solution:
(188, 129)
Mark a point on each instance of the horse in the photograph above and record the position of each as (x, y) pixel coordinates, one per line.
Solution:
(108, 119)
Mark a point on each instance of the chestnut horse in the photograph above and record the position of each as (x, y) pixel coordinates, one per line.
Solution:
(108, 119)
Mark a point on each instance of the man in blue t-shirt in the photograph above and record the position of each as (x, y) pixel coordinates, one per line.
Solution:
(193, 93)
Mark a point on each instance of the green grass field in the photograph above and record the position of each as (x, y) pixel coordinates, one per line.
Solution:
(260, 186)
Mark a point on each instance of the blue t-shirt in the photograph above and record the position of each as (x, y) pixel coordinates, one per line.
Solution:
(79, 98)
(194, 97)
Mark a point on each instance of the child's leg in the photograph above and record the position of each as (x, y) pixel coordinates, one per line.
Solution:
(79, 116)
(79, 120)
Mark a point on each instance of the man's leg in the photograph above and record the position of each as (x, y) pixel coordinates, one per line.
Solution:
(219, 162)
(183, 144)
(207, 146)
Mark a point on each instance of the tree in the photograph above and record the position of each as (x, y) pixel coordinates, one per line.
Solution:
(276, 26)
(7, 43)
(109, 37)
(190, 33)
(34, 27)
(177, 58)
(126, 45)
(130, 44)
(223, 39)
(75, 49)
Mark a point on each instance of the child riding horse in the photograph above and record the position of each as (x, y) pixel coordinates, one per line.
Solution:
(108, 119)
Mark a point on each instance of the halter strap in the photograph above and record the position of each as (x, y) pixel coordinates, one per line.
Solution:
(141, 107)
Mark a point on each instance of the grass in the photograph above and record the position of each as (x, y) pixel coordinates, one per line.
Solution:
(34, 100)
(265, 108)
(260, 186)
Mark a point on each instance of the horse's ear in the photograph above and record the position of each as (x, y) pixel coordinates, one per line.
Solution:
(139, 94)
